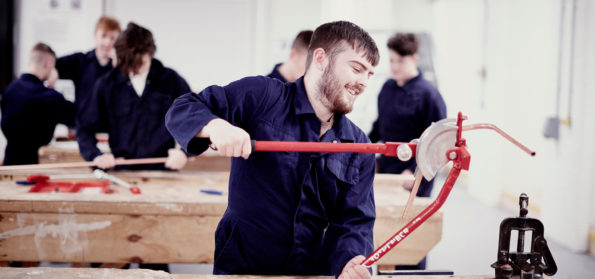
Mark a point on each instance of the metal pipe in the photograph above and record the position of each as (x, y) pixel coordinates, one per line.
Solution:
(501, 132)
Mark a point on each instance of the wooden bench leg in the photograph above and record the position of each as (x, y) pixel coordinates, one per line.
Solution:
(18, 263)
(80, 264)
(101, 265)
(113, 265)
(30, 264)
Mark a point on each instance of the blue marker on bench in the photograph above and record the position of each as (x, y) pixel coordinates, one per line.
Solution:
(211, 192)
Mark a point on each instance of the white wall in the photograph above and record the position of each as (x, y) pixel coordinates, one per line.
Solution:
(520, 55)
(570, 186)
(216, 42)
(207, 42)
(584, 102)
(516, 42)
(66, 28)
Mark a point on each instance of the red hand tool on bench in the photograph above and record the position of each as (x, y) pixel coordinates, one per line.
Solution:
(43, 184)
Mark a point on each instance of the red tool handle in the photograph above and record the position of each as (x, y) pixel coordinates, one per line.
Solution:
(388, 148)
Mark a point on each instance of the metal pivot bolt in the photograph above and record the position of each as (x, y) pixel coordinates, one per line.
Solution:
(524, 205)
(452, 155)
(404, 152)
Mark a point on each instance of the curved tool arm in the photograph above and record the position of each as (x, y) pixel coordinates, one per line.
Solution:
(460, 162)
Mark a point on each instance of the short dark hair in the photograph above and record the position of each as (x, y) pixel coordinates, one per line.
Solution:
(43, 48)
(302, 40)
(403, 43)
(329, 36)
(40, 52)
(134, 42)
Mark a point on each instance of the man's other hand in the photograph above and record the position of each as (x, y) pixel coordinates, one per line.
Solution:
(176, 159)
(353, 269)
(105, 161)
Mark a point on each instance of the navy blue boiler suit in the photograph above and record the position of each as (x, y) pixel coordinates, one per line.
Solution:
(288, 212)
(136, 125)
(84, 70)
(403, 115)
(30, 112)
(276, 74)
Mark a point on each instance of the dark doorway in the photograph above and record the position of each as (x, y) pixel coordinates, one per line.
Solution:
(6, 43)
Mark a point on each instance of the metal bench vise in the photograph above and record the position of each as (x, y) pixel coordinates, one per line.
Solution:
(520, 264)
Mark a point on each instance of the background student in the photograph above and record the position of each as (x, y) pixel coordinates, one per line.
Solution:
(295, 65)
(85, 68)
(130, 102)
(407, 105)
(288, 212)
(31, 111)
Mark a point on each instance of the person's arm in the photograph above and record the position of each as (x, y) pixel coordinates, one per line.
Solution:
(181, 85)
(89, 121)
(63, 110)
(52, 78)
(374, 135)
(113, 57)
(354, 270)
(176, 157)
(215, 116)
(350, 233)
(411, 166)
(69, 67)
(435, 108)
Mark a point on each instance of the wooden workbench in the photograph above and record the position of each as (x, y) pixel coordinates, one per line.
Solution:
(68, 151)
(170, 222)
(100, 273)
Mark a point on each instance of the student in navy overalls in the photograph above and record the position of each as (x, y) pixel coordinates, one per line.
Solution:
(130, 103)
(85, 68)
(31, 111)
(407, 105)
(291, 213)
(295, 65)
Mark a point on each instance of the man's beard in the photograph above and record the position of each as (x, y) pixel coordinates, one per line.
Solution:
(330, 92)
